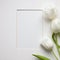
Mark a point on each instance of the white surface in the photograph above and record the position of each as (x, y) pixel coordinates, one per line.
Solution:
(8, 26)
(20, 54)
(29, 29)
(8, 18)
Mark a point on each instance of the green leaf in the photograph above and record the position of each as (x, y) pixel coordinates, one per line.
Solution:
(41, 57)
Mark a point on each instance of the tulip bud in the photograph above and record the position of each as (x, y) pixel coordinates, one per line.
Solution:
(55, 25)
(50, 14)
(47, 44)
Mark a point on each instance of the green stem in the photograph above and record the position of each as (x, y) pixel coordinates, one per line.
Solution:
(54, 55)
(58, 50)
(54, 37)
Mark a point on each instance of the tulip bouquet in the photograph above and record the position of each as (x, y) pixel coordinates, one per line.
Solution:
(48, 43)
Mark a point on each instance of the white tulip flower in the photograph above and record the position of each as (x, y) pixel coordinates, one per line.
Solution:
(50, 14)
(55, 25)
(47, 43)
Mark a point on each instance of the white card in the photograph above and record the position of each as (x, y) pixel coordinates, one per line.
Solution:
(29, 29)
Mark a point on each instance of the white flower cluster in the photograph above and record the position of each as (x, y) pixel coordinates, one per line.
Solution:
(55, 27)
(47, 43)
(51, 14)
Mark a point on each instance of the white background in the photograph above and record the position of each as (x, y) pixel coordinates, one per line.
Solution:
(8, 18)
(8, 25)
